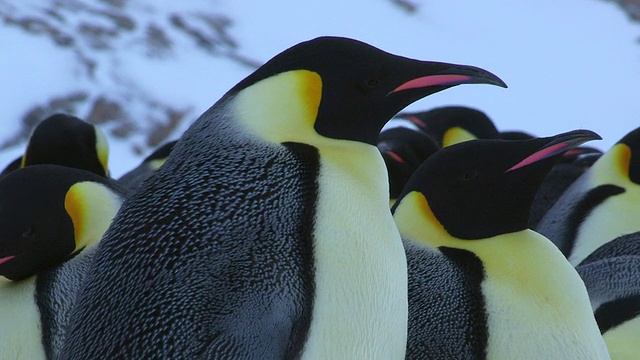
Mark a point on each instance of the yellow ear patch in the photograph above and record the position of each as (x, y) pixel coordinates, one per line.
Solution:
(156, 164)
(456, 135)
(613, 166)
(102, 149)
(416, 221)
(523, 263)
(91, 207)
(289, 101)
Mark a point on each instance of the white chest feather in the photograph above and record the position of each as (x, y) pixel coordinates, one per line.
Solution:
(537, 304)
(616, 216)
(360, 308)
(20, 334)
(622, 340)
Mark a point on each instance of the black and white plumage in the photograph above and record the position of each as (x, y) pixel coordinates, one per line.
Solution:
(600, 205)
(267, 232)
(51, 218)
(612, 277)
(481, 284)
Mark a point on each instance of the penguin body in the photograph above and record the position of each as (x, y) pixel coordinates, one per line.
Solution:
(52, 218)
(600, 205)
(611, 275)
(450, 125)
(149, 166)
(482, 285)
(65, 140)
(267, 233)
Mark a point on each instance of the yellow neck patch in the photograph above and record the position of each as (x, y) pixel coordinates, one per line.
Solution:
(156, 164)
(91, 207)
(281, 108)
(523, 259)
(102, 149)
(613, 166)
(416, 221)
(456, 135)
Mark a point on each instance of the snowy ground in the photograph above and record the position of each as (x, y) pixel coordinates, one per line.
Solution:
(570, 64)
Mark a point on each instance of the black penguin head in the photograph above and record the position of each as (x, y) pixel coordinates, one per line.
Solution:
(479, 189)
(68, 141)
(514, 135)
(361, 87)
(403, 150)
(453, 124)
(39, 219)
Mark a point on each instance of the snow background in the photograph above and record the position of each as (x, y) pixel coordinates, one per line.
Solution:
(569, 64)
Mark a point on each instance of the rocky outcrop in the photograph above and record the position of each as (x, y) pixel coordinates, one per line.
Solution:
(97, 33)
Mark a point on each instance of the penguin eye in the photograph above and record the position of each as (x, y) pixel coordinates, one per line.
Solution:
(371, 83)
(28, 233)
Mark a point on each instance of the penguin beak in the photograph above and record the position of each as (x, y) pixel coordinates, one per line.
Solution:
(6, 258)
(558, 146)
(449, 76)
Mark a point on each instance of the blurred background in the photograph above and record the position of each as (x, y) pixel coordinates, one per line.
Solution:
(144, 70)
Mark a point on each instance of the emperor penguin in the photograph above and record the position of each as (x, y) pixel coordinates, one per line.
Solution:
(612, 277)
(481, 284)
(600, 205)
(403, 150)
(267, 233)
(66, 140)
(132, 179)
(450, 125)
(51, 218)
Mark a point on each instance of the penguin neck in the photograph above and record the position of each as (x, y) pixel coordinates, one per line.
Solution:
(617, 214)
(612, 167)
(91, 207)
(621, 340)
(530, 290)
(510, 255)
(360, 265)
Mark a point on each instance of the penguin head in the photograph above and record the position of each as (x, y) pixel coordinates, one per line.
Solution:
(49, 213)
(403, 150)
(66, 140)
(344, 89)
(450, 125)
(514, 135)
(480, 189)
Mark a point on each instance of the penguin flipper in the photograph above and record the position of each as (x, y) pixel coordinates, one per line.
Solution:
(445, 322)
